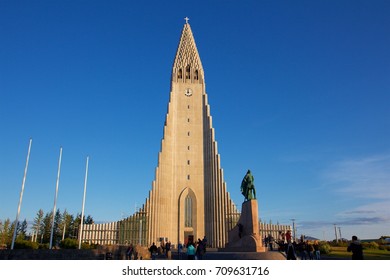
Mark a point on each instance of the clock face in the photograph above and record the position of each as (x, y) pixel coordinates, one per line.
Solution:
(188, 92)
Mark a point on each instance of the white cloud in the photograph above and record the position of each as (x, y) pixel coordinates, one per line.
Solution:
(368, 213)
(362, 178)
(368, 181)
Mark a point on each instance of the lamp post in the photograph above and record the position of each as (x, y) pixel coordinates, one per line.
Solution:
(341, 239)
(294, 233)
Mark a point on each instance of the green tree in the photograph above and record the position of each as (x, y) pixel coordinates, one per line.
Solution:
(88, 220)
(4, 233)
(11, 230)
(76, 226)
(57, 232)
(22, 229)
(46, 228)
(38, 226)
(77, 222)
(70, 233)
(66, 223)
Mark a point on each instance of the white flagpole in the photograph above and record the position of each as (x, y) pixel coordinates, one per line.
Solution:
(55, 199)
(21, 195)
(82, 210)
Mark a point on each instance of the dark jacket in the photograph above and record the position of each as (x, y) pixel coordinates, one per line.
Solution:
(357, 250)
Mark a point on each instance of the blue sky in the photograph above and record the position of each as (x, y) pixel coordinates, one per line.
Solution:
(299, 93)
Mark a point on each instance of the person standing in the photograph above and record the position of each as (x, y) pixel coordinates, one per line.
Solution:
(153, 251)
(302, 249)
(317, 250)
(200, 250)
(356, 248)
(190, 251)
(129, 252)
(168, 250)
(288, 236)
(271, 242)
(179, 250)
(310, 250)
(290, 251)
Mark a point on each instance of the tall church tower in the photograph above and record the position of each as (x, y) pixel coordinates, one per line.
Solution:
(188, 196)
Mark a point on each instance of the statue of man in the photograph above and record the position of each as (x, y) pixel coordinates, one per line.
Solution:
(247, 186)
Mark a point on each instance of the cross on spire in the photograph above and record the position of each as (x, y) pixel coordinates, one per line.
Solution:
(186, 19)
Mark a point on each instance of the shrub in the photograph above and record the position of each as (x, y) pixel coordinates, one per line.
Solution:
(339, 243)
(370, 245)
(325, 248)
(69, 243)
(24, 244)
(44, 246)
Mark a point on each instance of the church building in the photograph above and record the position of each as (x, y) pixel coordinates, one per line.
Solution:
(188, 197)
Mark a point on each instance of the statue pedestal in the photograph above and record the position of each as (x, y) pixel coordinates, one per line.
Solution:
(248, 240)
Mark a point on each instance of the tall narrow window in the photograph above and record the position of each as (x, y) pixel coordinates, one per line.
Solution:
(188, 72)
(188, 211)
(196, 75)
(180, 74)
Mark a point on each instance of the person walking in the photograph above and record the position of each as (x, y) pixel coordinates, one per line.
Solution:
(356, 248)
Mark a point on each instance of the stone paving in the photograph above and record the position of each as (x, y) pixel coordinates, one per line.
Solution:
(215, 255)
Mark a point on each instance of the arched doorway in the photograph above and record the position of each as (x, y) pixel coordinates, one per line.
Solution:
(187, 229)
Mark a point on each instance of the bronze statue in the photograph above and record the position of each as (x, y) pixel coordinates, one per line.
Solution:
(247, 186)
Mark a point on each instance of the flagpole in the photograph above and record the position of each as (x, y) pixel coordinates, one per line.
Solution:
(21, 195)
(55, 199)
(82, 210)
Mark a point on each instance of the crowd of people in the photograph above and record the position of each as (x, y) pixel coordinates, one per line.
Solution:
(163, 250)
(307, 249)
(191, 251)
(131, 253)
(304, 249)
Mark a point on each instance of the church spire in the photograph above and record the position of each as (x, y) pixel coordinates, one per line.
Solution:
(187, 67)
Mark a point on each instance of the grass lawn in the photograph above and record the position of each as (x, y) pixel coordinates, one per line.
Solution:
(369, 254)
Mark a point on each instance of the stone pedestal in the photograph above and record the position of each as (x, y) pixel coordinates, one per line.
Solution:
(247, 239)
